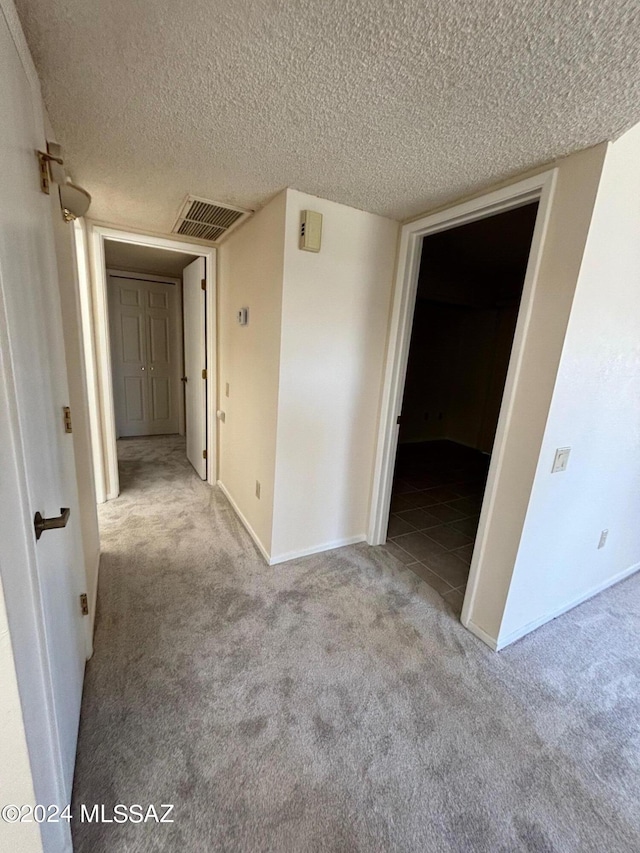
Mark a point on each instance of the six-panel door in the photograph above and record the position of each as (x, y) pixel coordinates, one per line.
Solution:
(145, 356)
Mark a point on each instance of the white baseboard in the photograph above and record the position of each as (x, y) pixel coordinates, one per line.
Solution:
(93, 600)
(244, 521)
(317, 549)
(537, 623)
(482, 635)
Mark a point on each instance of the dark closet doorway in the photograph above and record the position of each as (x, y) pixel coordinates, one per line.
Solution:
(468, 299)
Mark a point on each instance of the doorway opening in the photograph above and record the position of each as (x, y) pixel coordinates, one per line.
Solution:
(469, 290)
(151, 354)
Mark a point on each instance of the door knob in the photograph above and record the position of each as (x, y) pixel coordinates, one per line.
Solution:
(41, 524)
(142, 368)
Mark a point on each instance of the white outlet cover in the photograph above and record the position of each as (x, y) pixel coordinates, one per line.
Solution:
(561, 459)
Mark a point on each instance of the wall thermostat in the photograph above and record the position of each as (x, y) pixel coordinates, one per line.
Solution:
(243, 316)
(310, 230)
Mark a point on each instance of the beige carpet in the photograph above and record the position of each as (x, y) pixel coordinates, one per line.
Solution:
(333, 703)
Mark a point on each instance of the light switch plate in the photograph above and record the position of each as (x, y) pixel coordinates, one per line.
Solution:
(561, 459)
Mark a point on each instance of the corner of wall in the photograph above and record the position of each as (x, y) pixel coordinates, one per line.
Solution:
(251, 263)
(335, 315)
(595, 400)
(560, 260)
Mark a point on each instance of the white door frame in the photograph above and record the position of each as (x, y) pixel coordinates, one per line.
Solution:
(109, 488)
(538, 188)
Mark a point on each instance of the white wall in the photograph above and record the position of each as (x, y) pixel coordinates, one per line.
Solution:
(64, 237)
(251, 274)
(572, 206)
(335, 313)
(305, 374)
(596, 411)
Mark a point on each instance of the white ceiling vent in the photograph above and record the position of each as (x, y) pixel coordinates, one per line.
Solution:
(208, 220)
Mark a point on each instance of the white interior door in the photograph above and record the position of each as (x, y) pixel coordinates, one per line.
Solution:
(195, 362)
(42, 580)
(145, 356)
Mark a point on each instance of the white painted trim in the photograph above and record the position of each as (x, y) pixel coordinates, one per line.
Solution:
(518, 348)
(211, 310)
(482, 635)
(290, 555)
(93, 601)
(537, 188)
(317, 549)
(110, 487)
(90, 359)
(505, 641)
(245, 523)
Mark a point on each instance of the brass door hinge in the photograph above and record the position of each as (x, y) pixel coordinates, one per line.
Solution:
(67, 419)
(44, 171)
(44, 158)
(204, 374)
(84, 604)
(204, 454)
(203, 283)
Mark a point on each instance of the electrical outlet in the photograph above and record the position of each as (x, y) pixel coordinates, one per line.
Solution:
(226, 390)
(258, 489)
(603, 539)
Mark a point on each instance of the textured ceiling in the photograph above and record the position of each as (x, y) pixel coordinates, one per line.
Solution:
(129, 257)
(393, 106)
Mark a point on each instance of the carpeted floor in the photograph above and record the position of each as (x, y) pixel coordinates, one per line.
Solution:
(333, 703)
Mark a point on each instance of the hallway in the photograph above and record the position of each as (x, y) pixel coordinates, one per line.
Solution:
(332, 703)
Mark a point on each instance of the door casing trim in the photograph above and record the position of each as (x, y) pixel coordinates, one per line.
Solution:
(538, 188)
(107, 480)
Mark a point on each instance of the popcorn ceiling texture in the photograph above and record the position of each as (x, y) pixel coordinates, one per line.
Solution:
(392, 107)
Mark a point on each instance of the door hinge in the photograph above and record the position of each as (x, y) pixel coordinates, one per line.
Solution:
(203, 284)
(204, 454)
(399, 419)
(84, 604)
(204, 373)
(66, 411)
(44, 171)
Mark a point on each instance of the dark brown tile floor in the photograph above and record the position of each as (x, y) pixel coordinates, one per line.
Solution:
(435, 506)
